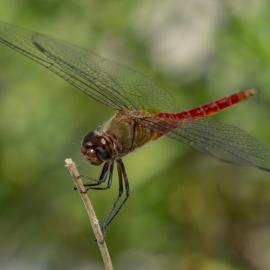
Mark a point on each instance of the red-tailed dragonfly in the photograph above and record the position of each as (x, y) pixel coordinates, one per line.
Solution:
(144, 112)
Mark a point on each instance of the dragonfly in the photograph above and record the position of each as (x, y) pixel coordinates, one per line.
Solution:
(143, 112)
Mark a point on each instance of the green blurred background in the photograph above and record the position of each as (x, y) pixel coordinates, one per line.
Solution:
(186, 211)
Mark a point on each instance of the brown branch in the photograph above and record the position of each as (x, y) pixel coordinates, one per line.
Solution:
(91, 214)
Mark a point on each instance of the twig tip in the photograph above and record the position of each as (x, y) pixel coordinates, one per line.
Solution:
(68, 162)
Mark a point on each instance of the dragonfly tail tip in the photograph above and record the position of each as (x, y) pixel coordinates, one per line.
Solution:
(251, 91)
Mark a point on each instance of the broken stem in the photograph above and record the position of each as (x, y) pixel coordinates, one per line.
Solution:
(91, 214)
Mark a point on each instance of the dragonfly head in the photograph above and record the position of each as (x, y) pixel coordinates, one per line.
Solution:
(95, 148)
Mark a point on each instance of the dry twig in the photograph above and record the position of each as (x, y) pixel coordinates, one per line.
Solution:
(91, 213)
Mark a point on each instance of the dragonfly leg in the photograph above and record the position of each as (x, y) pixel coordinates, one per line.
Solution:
(96, 181)
(95, 186)
(120, 185)
(115, 209)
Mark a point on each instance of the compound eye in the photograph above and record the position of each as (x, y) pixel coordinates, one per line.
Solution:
(88, 145)
(102, 153)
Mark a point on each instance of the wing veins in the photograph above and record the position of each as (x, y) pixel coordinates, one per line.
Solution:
(79, 73)
(213, 145)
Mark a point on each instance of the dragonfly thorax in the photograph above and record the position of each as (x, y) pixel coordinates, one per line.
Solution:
(96, 148)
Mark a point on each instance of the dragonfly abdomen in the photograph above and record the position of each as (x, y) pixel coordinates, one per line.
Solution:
(211, 107)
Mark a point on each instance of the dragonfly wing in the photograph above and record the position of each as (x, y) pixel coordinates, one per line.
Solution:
(124, 86)
(105, 81)
(225, 142)
(22, 41)
(219, 140)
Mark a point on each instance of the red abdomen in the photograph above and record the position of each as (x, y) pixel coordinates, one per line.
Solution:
(211, 107)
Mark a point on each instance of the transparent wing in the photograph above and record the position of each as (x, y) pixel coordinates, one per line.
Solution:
(222, 141)
(101, 79)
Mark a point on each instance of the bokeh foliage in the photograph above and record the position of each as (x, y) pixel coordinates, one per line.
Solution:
(186, 210)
